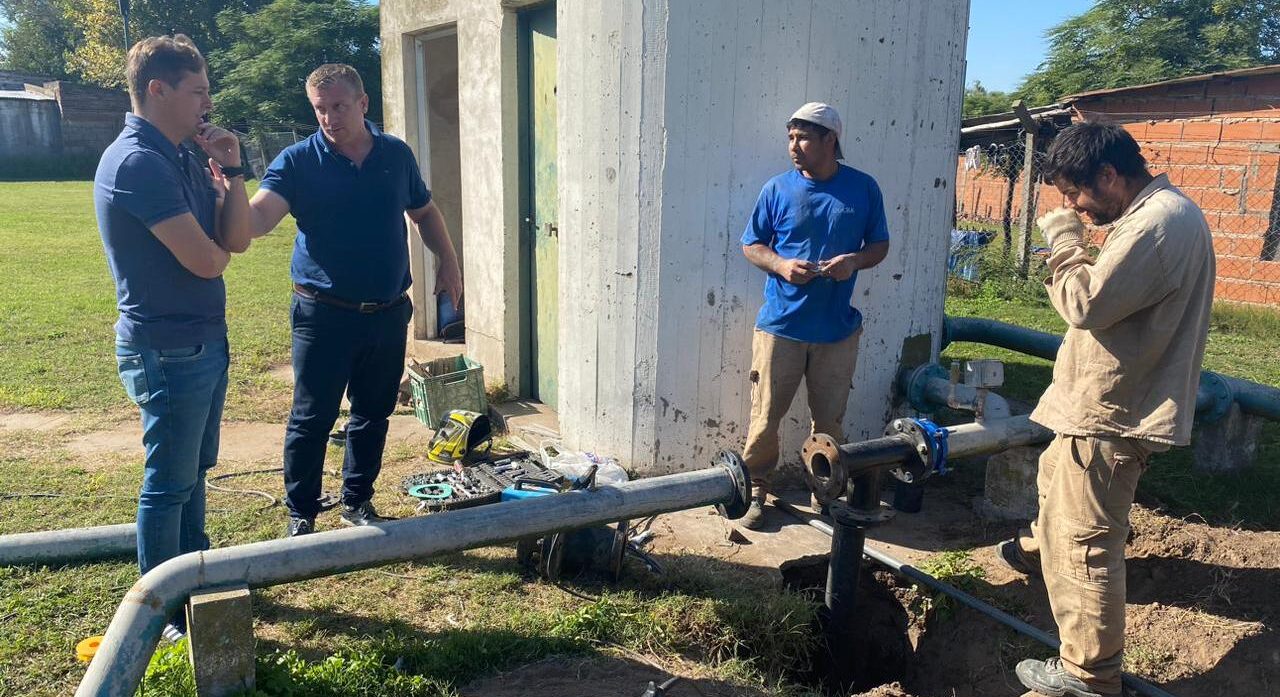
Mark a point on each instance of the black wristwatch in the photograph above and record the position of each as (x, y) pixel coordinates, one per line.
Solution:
(230, 172)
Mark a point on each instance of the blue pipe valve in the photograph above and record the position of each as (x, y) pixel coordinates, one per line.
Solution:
(930, 444)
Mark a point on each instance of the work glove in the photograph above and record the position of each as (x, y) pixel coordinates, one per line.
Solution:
(1060, 225)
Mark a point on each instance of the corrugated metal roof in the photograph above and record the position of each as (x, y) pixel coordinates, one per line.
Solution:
(1242, 72)
(23, 94)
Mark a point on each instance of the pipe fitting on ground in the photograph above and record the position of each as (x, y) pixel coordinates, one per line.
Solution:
(733, 463)
(824, 469)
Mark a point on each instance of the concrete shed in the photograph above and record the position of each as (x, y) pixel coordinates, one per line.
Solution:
(597, 162)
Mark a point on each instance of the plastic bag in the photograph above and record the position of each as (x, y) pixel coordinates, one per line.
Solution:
(573, 464)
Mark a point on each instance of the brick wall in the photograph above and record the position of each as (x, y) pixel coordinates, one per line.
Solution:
(1219, 142)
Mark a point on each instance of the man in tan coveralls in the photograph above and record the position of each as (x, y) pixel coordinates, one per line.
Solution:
(1124, 387)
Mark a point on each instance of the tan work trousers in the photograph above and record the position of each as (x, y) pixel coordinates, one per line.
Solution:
(777, 366)
(1086, 487)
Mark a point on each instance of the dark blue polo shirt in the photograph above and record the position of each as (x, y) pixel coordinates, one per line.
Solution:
(144, 179)
(352, 240)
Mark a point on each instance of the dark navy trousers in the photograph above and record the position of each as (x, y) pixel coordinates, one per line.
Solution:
(337, 349)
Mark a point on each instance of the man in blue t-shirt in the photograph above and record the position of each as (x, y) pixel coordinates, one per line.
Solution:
(164, 221)
(812, 230)
(349, 187)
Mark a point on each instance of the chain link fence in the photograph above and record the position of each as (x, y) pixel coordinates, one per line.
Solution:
(261, 147)
(1234, 184)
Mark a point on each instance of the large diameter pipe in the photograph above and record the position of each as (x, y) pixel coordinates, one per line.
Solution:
(910, 572)
(131, 638)
(993, 436)
(62, 546)
(1253, 398)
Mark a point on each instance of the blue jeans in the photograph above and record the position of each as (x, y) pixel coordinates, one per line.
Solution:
(180, 393)
(336, 349)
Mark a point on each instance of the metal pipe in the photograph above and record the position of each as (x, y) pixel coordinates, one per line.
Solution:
(75, 544)
(1253, 398)
(844, 634)
(131, 638)
(985, 403)
(910, 572)
(993, 436)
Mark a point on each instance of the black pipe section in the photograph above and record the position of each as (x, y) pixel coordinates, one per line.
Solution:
(845, 635)
(876, 453)
(1253, 398)
(905, 570)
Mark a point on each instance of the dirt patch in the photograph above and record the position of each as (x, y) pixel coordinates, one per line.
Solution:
(596, 676)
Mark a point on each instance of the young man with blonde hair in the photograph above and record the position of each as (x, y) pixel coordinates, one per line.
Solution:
(349, 186)
(164, 222)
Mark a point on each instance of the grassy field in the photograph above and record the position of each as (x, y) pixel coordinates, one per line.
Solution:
(441, 622)
(58, 309)
(412, 629)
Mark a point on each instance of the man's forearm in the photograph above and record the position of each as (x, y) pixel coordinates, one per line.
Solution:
(762, 257)
(234, 229)
(435, 235)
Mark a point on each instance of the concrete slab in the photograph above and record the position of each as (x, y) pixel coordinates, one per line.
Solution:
(220, 642)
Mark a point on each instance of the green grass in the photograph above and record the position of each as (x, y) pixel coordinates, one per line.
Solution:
(1244, 342)
(58, 308)
(443, 621)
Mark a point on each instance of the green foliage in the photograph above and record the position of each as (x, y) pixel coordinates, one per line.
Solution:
(261, 75)
(37, 37)
(169, 673)
(1118, 43)
(979, 101)
(956, 568)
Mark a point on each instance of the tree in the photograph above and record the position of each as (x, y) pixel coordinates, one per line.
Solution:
(1118, 43)
(100, 58)
(263, 72)
(37, 38)
(979, 101)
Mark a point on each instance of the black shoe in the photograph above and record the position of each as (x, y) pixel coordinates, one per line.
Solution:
(1049, 678)
(362, 514)
(301, 526)
(1010, 552)
(753, 519)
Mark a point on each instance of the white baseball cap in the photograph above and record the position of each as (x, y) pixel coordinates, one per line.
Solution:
(824, 115)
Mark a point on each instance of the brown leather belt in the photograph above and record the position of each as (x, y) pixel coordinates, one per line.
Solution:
(366, 308)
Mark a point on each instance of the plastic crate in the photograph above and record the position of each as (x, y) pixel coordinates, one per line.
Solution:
(450, 383)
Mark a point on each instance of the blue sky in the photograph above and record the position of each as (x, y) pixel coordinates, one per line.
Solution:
(1006, 38)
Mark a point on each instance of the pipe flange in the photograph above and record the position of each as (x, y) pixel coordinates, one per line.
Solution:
(917, 468)
(824, 468)
(915, 384)
(737, 469)
(1220, 391)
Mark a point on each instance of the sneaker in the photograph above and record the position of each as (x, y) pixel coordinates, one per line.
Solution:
(1051, 679)
(361, 514)
(301, 526)
(754, 517)
(1010, 552)
(173, 633)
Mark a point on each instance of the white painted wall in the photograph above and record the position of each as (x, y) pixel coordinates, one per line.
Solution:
(671, 119)
(488, 152)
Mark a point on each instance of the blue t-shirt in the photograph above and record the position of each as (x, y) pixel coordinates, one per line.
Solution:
(800, 218)
(144, 179)
(351, 234)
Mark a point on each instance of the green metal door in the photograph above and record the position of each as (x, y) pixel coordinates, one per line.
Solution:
(545, 253)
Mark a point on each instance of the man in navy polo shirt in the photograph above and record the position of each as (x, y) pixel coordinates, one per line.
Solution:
(812, 230)
(163, 221)
(349, 186)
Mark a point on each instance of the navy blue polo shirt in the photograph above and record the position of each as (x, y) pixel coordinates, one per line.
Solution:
(800, 218)
(144, 179)
(352, 240)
